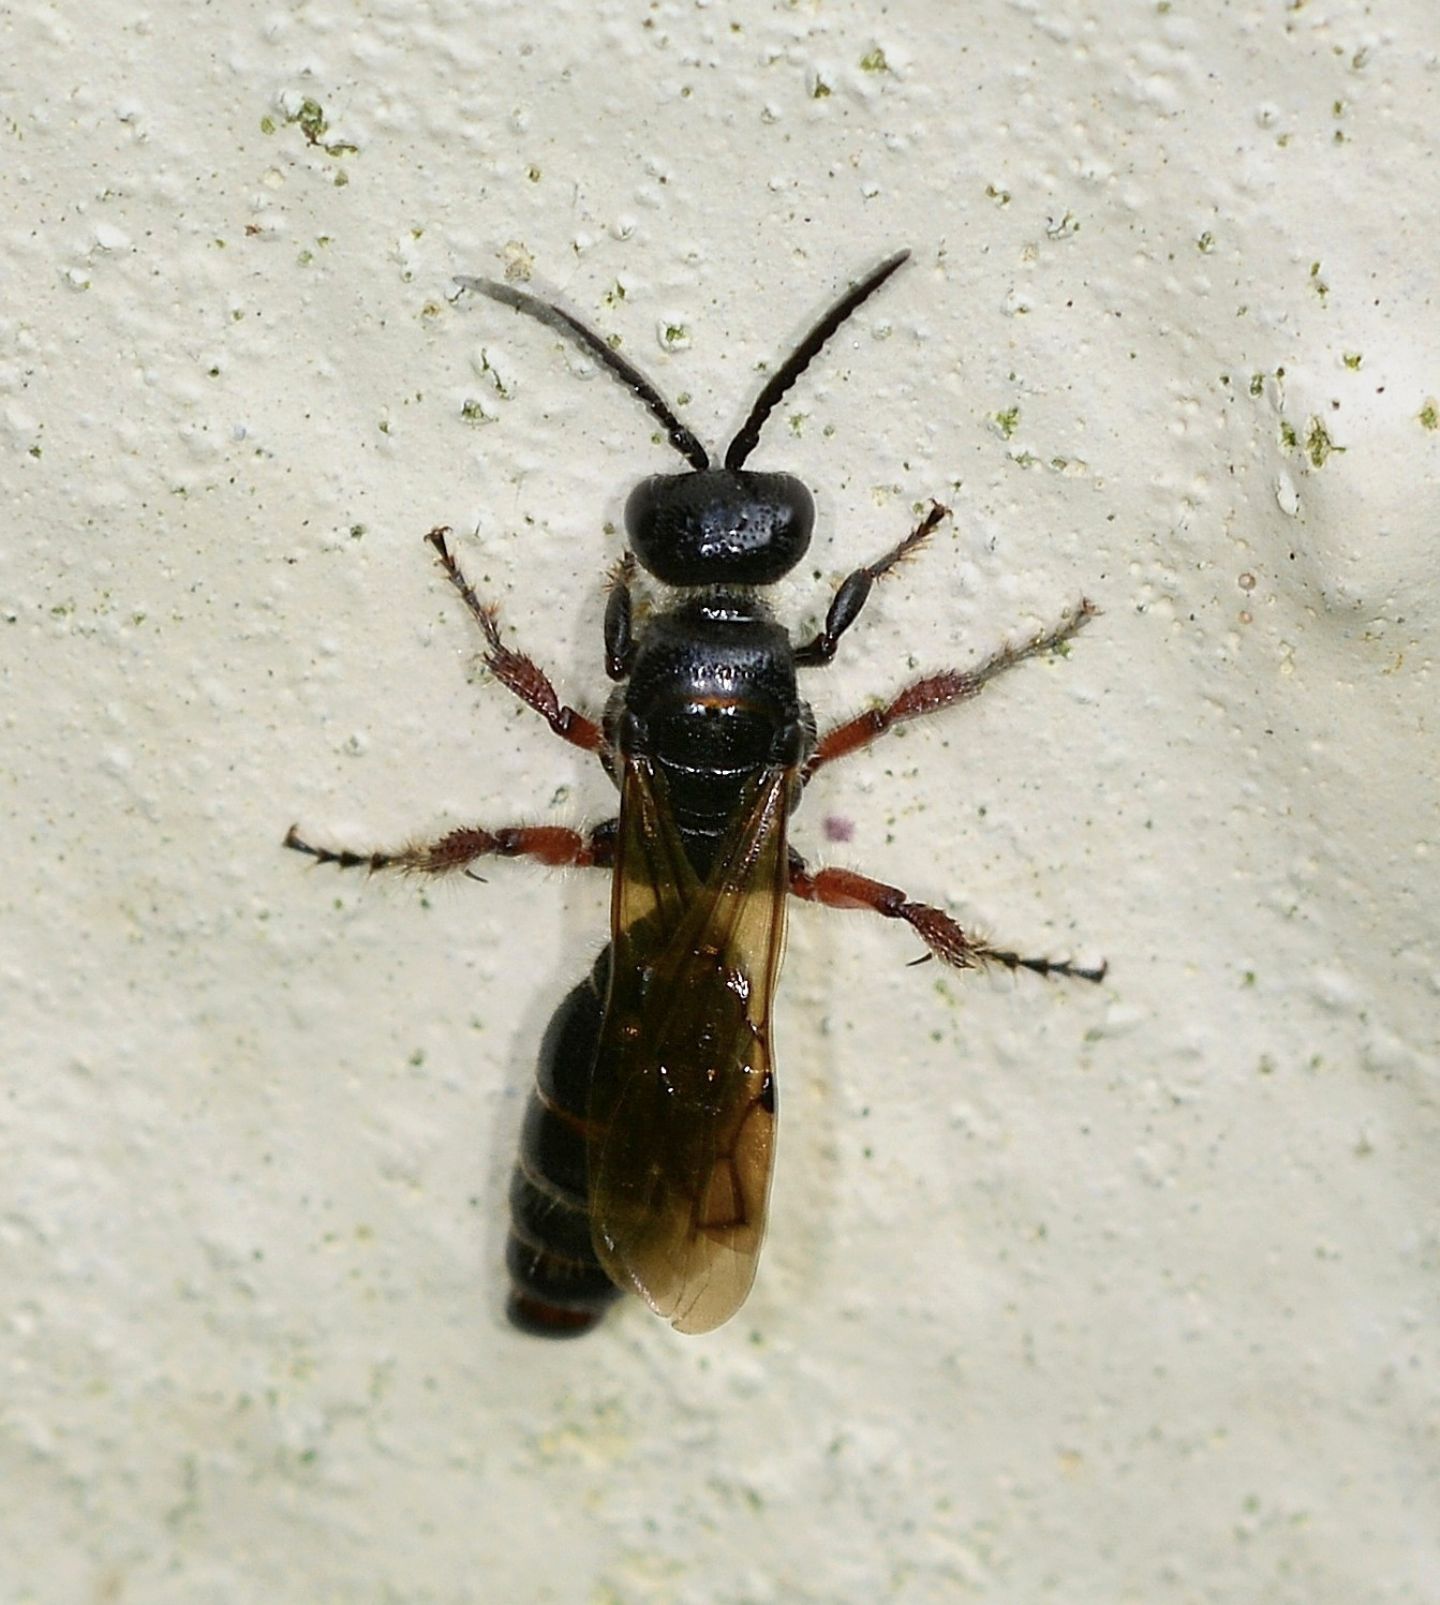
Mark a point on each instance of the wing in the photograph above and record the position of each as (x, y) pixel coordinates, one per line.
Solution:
(682, 1111)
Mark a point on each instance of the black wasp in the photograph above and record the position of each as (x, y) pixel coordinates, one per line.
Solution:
(646, 1154)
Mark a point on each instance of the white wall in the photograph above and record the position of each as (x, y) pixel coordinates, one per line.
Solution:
(1073, 1294)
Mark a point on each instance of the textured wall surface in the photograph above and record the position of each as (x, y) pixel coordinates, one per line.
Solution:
(1115, 1294)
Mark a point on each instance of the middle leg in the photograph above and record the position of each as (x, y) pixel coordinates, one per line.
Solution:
(941, 690)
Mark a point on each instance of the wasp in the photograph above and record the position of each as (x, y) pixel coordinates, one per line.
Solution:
(648, 1140)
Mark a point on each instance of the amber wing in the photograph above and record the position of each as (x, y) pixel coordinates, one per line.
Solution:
(682, 1125)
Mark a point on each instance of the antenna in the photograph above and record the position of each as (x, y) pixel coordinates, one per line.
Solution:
(626, 372)
(802, 356)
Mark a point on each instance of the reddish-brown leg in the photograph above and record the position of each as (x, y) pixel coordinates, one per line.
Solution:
(844, 888)
(548, 844)
(513, 669)
(941, 690)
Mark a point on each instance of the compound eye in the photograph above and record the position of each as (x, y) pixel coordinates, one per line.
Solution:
(641, 511)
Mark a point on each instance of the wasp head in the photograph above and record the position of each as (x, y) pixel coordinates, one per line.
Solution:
(719, 526)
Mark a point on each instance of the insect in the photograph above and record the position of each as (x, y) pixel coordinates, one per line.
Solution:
(645, 1158)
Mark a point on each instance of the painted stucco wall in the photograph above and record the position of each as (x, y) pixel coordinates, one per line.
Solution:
(1078, 1294)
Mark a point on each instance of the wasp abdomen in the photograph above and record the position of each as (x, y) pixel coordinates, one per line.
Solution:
(558, 1286)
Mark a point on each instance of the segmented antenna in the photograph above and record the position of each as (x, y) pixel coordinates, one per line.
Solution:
(626, 372)
(802, 356)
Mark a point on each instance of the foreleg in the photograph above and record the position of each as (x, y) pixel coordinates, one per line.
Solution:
(519, 674)
(855, 590)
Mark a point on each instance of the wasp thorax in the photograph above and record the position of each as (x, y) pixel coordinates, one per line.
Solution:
(719, 526)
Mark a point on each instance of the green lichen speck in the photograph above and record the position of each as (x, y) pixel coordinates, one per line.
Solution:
(1318, 444)
(874, 61)
(313, 124)
(1352, 360)
(501, 389)
(1007, 422)
(1429, 414)
(311, 118)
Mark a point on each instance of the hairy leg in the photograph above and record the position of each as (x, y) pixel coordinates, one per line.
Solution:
(515, 671)
(458, 849)
(844, 888)
(855, 590)
(942, 690)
